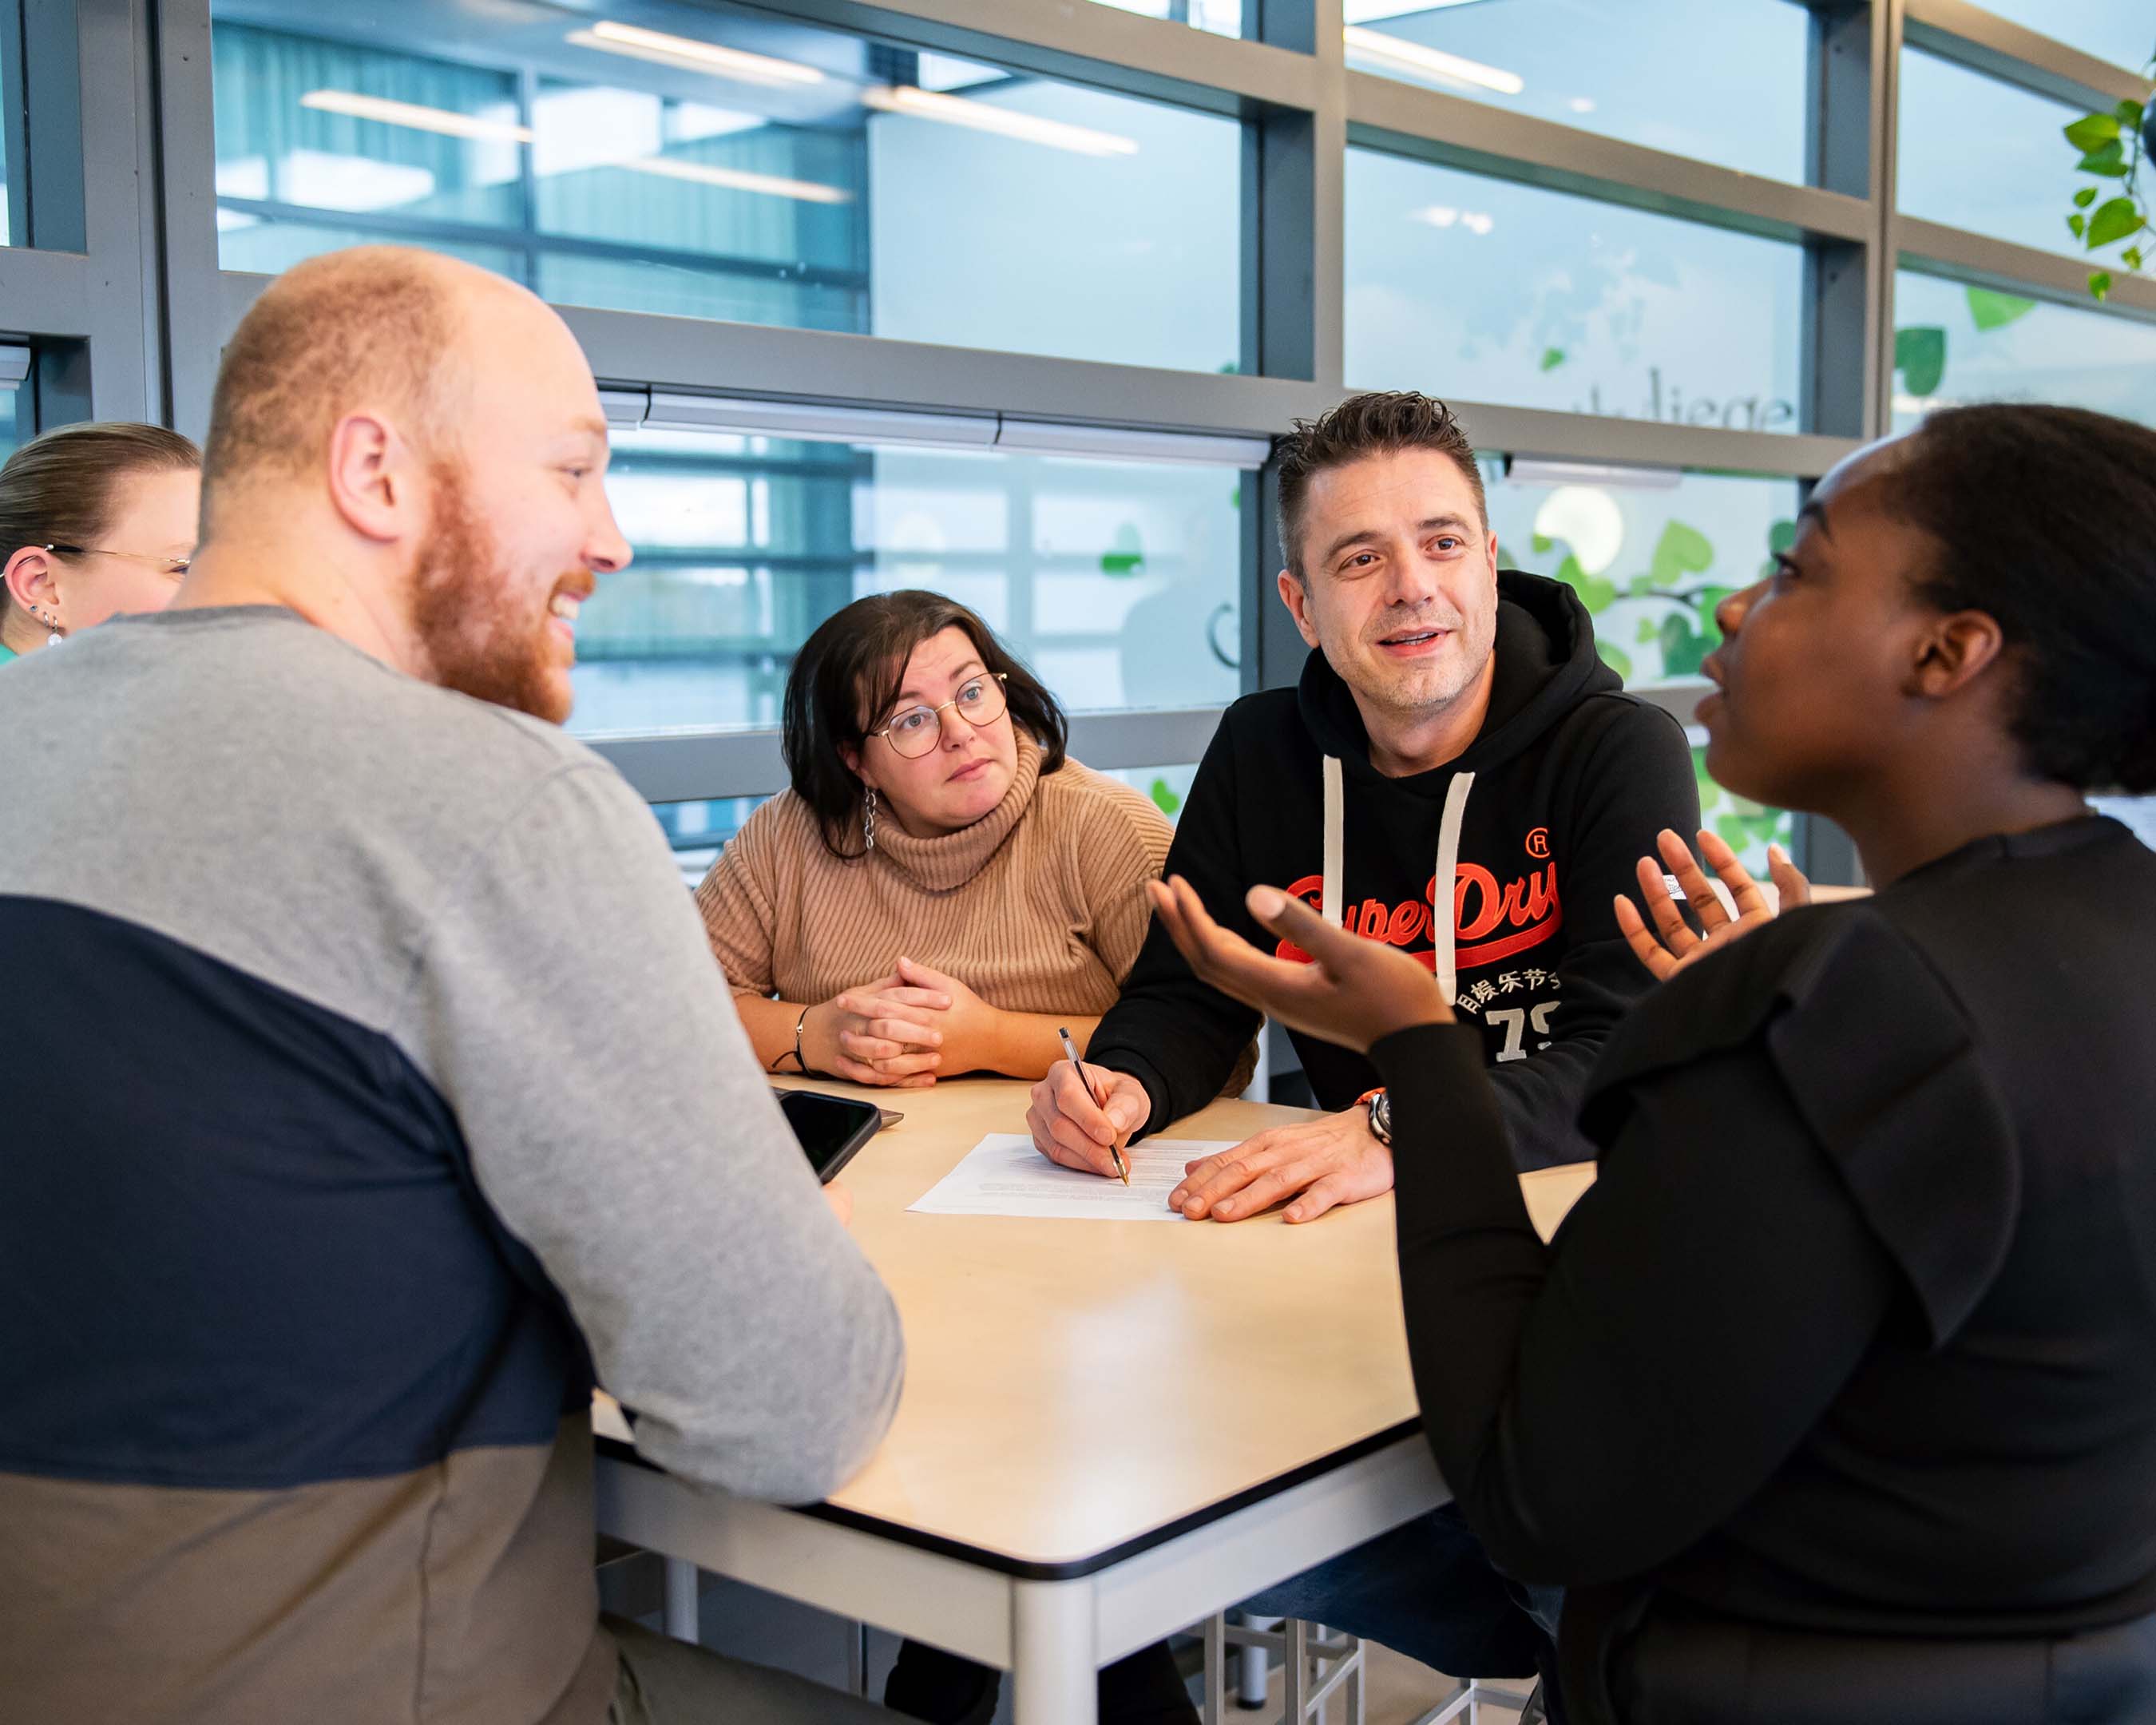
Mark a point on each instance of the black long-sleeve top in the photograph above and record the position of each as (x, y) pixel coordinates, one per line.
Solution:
(1857, 1331)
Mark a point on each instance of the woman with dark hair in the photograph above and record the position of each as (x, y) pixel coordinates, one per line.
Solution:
(941, 887)
(1835, 1397)
(94, 520)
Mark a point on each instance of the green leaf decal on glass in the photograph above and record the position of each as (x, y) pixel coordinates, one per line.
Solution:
(1594, 592)
(1920, 355)
(1615, 657)
(1553, 357)
(1781, 536)
(1994, 311)
(1165, 798)
(1543, 542)
(1127, 556)
(1681, 550)
(1647, 631)
(2114, 219)
(1683, 647)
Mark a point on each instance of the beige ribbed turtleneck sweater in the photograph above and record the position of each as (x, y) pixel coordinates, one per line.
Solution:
(1038, 906)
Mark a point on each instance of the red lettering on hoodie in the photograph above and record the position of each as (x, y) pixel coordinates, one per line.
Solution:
(1529, 905)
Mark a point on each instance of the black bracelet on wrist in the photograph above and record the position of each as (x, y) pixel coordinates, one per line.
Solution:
(800, 1064)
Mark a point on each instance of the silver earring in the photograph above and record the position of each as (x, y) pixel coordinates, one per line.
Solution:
(54, 634)
(868, 819)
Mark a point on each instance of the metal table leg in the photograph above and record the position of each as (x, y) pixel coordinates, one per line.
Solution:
(1053, 1680)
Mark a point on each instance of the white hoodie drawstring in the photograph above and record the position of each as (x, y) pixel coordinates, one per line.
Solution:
(1443, 896)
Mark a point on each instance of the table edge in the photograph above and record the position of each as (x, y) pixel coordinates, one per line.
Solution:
(1077, 1568)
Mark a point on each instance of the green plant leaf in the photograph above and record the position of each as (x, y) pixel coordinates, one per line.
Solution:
(2077, 225)
(2099, 283)
(1920, 355)
(2084, 197)
(1646, 632)
(2109, 161)
(1615, 657)
(1164, 798)
(1993, 311)
(1543, 542)
(2093, 131)
(1235, 497)
(1682, 550)
(2114, 219)
(2130, 116)
(1553, 357)
(1781, 536)
(2131, 256)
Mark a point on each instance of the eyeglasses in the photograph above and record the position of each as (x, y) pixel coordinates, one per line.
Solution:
(173, 567)
(915, 732)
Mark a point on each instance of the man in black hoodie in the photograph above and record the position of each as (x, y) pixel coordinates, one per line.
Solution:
(1455, 725)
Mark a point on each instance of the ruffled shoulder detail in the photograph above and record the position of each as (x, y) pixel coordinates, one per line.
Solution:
(1881, 1066)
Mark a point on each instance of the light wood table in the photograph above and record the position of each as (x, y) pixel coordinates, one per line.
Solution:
(1109, 1430)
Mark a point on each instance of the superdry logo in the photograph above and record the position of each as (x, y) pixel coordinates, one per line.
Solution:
(1527, 910)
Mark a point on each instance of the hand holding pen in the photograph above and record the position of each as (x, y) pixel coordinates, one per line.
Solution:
(1100, 1101)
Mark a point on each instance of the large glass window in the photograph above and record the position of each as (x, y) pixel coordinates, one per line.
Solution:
(2120, 31)
(1116, 581)
(1954, 344)
(1611, 66)
(1650, 554)
(1989, 156)
(737, 165)
(1483, 290)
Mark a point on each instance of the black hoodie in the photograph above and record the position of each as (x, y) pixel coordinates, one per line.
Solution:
(1557, 799)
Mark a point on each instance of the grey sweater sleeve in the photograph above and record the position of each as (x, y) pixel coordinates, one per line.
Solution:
(567, 1007)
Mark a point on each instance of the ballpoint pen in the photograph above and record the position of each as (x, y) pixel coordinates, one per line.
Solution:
(1071, 1054)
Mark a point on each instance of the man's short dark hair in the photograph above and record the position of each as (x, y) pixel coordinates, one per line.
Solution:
(1382, 422)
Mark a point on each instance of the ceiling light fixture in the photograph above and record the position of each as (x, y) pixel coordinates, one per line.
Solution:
(410, 114)
(734, 179)
(692, 55)
(984, 116)
(1430, 62)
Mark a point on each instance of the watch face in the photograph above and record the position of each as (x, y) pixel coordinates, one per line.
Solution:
(1381, 1117)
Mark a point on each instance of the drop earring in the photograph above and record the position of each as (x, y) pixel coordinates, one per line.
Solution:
(54, 634)
(868, 822)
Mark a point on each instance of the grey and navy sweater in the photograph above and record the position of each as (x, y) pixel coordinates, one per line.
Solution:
(374, 1086)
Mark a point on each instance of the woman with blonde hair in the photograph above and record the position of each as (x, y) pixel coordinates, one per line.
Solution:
(94, 520)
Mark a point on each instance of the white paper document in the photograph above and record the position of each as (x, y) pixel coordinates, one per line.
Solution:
(1003, 1175)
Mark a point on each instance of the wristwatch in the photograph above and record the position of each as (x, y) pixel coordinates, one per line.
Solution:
(1381, 1114)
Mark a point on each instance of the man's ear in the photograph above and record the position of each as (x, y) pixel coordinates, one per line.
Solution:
(1297, 598)
(1953, 652)
(374, 477)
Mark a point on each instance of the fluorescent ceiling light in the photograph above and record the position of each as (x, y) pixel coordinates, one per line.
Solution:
(1431, 62)
(1118, 443)
(1528, 470)
(926, 428)
(686, 52)
(734, 179)
(412, 114)
(983, 116)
